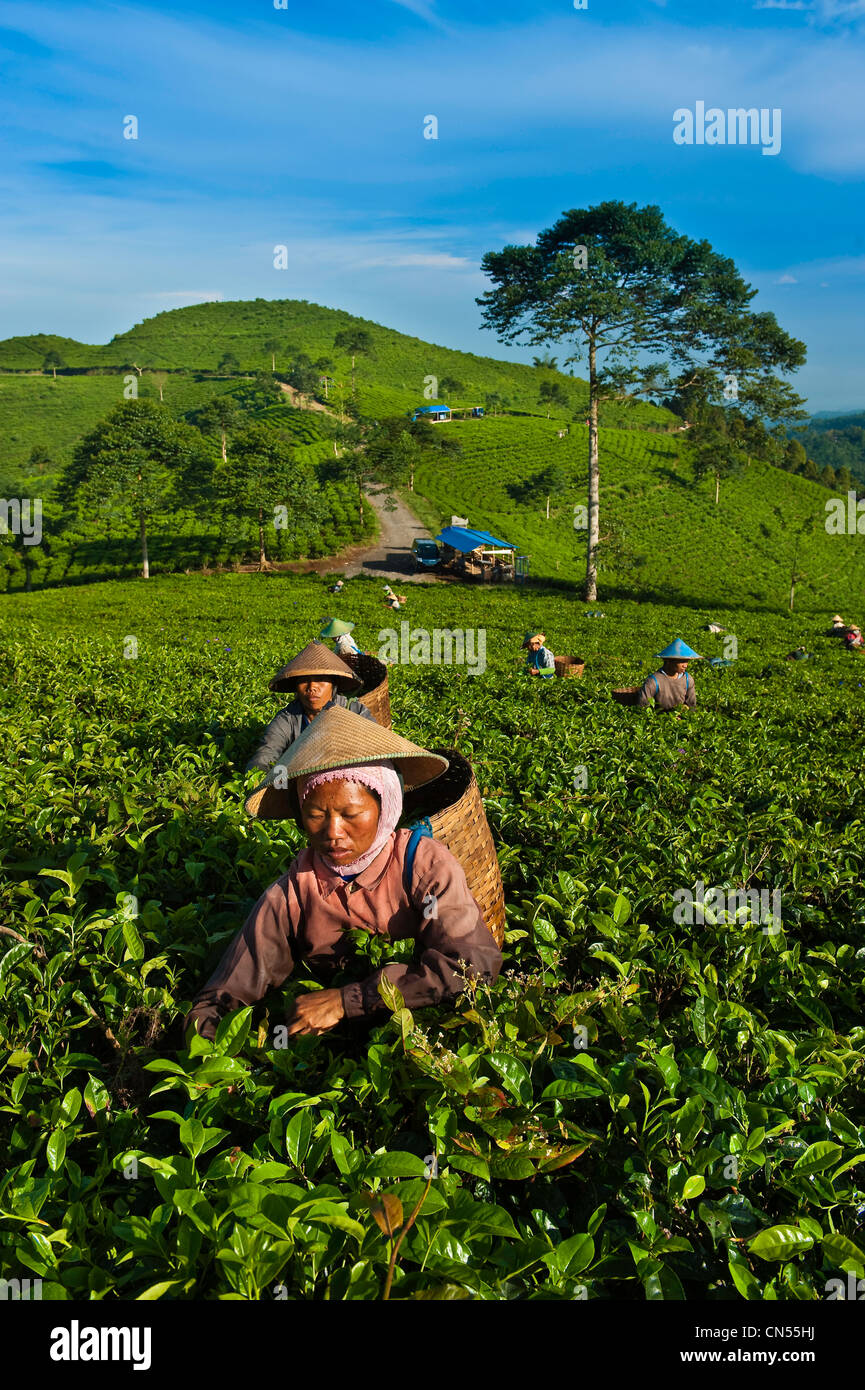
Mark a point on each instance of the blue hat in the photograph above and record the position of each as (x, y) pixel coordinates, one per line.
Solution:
(679, 651)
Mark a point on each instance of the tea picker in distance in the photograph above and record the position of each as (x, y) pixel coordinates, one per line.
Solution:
(539, 659)
(853, 638)
(340, 634)
(356, 874)
(319, 680)
(673, 685)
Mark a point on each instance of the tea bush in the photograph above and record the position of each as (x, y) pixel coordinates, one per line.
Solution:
(638, 1108)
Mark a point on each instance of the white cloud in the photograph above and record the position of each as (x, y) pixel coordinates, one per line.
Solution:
(440, 261)
(422, 10)
(787, 280)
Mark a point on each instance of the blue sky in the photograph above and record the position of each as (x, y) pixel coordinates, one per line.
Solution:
(304, 126)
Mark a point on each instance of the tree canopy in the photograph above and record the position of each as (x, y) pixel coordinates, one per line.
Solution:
(648, 308)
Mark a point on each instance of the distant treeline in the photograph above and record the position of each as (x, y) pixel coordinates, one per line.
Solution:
(837, 443)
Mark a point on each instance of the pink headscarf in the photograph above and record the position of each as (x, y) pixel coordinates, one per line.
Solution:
(380, 777)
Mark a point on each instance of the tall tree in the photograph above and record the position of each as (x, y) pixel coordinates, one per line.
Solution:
(228, 363)
(716, 453)
(622, 286)
(303, 376)
(545, 360)
(39, 457)
(794, 456)
(796, 530)
(260, 476)
(356, 342)
(272, 346)
(827, 475)
(450, 386)
(396, 447)
(552, 393)
(219, 416)
(138, 462)
(159, 379)
(51, 361)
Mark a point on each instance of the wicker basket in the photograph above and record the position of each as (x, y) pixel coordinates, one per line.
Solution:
(373, 692)
(569, 666)
(453, 805)
(627, 694)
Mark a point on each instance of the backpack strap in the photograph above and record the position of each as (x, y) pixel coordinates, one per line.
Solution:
(657, 683)
(420, 830)
(687, 682)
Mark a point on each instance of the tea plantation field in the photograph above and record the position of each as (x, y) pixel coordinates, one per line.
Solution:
(638, 1109)
(675, 542)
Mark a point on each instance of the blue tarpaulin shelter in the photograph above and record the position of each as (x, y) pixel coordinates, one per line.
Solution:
(465, 540)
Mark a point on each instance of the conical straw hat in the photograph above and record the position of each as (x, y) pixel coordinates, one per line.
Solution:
(316, 660)
(339, 738)
(679, 650)
(336, 628)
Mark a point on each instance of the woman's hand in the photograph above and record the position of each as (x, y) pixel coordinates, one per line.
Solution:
(317, 1012)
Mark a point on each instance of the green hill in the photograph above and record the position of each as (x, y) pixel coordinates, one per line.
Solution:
(661, 535)
(390, 380)
(669, 540)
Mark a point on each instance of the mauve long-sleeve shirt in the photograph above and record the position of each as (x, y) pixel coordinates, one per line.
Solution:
(306, 913)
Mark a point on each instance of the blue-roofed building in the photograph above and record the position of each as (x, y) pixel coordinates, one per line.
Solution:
(432, 413)
(476, 554)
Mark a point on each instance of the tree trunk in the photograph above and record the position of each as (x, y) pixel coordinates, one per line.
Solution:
(262, 558)
(360, 501)
(792, 592)
(717, 487)
(411, 482)
(594, 492)
(224, 454)
(145, 560)
(548, 509)
(273, 361)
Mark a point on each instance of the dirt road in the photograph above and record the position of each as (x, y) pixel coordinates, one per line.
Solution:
(391, 557)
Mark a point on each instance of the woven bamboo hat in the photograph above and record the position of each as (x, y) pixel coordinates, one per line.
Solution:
(316, 660)
(338, 738)
(535, 632)
(679, 651)
(336, 628)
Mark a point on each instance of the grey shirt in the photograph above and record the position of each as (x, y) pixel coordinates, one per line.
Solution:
(285, 727)
(668, 692)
